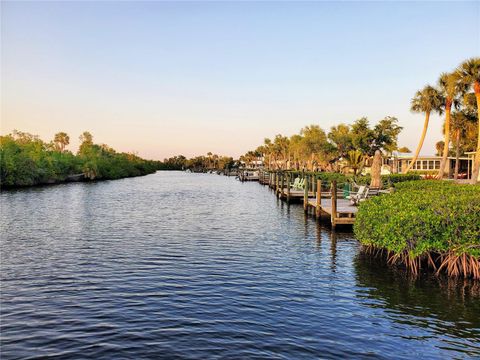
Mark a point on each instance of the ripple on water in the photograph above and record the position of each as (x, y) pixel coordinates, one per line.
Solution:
(178, 265)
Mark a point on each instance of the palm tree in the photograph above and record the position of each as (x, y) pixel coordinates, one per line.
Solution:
(425, 101)
(450, 88)
(209, 154)
(469, 74)
(281, 144)
(439, 147)
(355, 160)
(461, 123)
(61, 140)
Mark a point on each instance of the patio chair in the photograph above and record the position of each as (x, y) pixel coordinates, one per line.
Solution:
(360, 195)
(300, 185)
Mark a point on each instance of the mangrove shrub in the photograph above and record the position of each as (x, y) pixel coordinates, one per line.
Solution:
(432, 222)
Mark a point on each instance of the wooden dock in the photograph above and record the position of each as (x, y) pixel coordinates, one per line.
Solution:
(341, 211)
(264, 177)
(327, 203)
(345, 212)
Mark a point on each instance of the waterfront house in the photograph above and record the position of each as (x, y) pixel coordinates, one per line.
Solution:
(431, 164)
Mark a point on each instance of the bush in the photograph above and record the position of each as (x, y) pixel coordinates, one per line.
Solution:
(422, 218)
(388, 180)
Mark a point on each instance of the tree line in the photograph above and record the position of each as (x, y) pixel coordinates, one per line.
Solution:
(457, 94)
(315, 149)
(27, 160)
(200, 163)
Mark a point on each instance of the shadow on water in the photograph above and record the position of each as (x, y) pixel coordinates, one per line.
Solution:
(455, 302)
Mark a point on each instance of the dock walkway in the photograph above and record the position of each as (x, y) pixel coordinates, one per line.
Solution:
(327, 202)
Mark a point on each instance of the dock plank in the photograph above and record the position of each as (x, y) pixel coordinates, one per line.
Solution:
(343, 206)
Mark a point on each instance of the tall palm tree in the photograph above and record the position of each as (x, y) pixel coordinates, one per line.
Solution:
(461, 126)
(425, 101)
(450, 88)
(469, 74)
(267, 143)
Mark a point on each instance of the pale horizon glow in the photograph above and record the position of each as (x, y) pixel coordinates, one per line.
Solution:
(169, 78)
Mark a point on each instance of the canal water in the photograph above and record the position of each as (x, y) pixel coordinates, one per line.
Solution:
(195, 266)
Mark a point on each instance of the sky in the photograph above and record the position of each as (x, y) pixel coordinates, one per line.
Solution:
(168, 78)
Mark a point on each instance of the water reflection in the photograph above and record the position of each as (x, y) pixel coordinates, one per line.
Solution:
(179, 265)
(446, 307)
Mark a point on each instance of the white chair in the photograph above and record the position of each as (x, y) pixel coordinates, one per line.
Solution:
(360, 195)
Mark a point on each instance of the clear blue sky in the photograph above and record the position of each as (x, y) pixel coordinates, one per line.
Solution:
(166, 78)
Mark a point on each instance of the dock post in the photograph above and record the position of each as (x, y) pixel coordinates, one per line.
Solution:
(334, 202)
(276, 182)
(319, 198)
(288, 188)
(305, 194)
(283, 183)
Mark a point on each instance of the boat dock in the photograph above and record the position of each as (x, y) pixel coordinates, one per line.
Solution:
(322, 199)
(339, 210)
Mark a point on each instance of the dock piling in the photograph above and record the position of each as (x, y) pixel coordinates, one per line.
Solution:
(334, 202)
(288, 188)
(305, 194)
(318, 203)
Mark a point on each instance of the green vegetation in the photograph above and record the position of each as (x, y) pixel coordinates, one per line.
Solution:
(199, 163)
(26, 160)
(349, 148)
(389, 180)
(425, 223)
(461, 127)
(343, 148)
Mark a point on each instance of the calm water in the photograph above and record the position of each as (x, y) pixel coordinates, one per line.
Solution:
(176, 265)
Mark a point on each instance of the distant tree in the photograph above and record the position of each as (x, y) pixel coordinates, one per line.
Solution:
(315, 145)
(86, 137)
(362, 136)
(342, 138)
(462, 124)
(281, 150)
(209, 157)
(404, 149)
(439, 147)
(86, 143)
(355, 160)
(386, 133)
(382, 137)
(61, 140)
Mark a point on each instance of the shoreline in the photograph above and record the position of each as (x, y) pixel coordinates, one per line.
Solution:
(83, 179)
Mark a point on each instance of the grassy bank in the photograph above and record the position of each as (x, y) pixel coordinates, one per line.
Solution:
(423, 224)
(26, 160)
